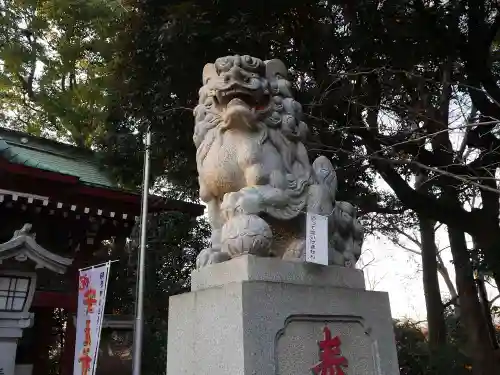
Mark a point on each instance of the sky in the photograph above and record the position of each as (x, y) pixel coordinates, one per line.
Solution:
(399, 273)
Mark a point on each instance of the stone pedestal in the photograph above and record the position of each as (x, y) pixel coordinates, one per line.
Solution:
(264, 316)
(11, 330)
(8, 348)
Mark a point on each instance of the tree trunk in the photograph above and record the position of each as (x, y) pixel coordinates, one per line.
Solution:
(479, 345)
(435, 308)
(489, 242)
(443, 271)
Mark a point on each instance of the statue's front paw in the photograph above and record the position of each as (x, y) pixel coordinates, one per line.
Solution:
(250, 204)
(246, 234)
(211, 256)
(229, 205)
(246, 202)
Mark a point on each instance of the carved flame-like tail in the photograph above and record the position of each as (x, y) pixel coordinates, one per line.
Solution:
(325, 175)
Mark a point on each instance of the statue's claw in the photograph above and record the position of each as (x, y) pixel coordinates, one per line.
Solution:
(211, 256)
(336, 258)
(296, 251)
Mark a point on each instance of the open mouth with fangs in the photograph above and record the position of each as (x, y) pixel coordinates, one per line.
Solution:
(229, 98)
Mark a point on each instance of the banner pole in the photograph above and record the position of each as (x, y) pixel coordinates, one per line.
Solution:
(101, 320)
(92, 291)
(139, 319)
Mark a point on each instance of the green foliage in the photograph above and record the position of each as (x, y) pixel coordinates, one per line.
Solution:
(173, 242)
(175, 39)
(373, 79)
(55, 61)
(417, 358)
(370, 76)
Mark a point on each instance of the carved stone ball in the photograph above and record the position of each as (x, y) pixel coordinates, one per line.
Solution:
(246, 234)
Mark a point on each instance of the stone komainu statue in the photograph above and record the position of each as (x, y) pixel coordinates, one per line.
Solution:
(254, 171)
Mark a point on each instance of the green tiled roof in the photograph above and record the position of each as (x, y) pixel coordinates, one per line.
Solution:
(21, 148)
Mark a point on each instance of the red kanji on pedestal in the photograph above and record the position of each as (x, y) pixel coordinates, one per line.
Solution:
(331, 362)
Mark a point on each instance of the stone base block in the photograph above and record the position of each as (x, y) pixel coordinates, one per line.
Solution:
(266, 317)
(8, 348)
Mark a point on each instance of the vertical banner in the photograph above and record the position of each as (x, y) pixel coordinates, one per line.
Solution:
(317, 239)
(92, 287)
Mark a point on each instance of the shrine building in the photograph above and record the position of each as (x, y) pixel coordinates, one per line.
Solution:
(56, 207)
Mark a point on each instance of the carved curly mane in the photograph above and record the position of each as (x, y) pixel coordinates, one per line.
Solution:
(278, 124)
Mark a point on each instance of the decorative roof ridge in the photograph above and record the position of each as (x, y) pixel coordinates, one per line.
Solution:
(22, 246)
(44, 139)
(61, 154)
(11, 150)
(50, 155)
(63, 150)
(5, 147)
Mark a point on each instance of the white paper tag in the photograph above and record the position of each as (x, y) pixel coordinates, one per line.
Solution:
(317, 239)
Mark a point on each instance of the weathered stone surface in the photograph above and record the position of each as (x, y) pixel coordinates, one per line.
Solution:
(8, 348)
(253, 268)
(255, 324)
(254, 171)
(297, 343)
